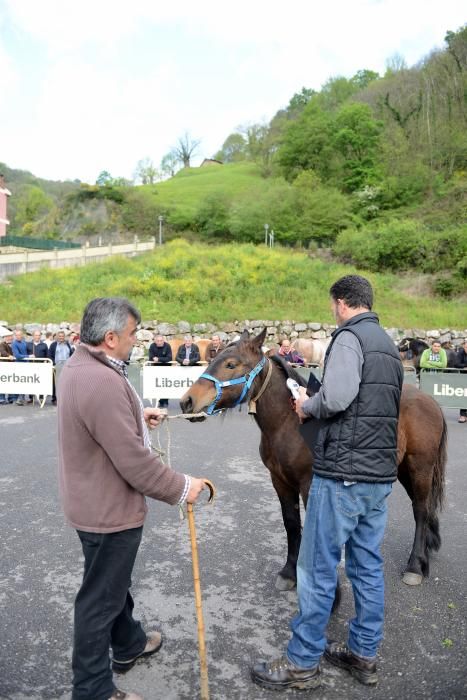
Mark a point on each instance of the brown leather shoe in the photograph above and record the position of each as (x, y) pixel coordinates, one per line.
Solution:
(153, 644)
(120, 695)
(361, 669)
(282, 673)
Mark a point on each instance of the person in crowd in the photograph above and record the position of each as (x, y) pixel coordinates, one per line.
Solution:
(434, 357)
(37, 347)
(287, 353)
(188, 352)
(352, 478)
(462, 364)
(6, 340)
(21, 354)
(214, 348)
(74, 340)
(59, 352)
(49, 338)
(160, 352)
(106, 468)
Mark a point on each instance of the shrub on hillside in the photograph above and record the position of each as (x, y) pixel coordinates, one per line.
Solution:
(140, 212)
(322, 211)
(402, 244)
(275, 204)
(212, 217)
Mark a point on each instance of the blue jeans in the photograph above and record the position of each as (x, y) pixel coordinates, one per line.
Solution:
(336, 515)
(104, 612)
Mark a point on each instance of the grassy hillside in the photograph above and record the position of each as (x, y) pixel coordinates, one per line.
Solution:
(190, 185)
(197, 283)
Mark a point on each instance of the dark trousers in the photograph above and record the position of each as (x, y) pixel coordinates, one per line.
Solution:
(103, 612)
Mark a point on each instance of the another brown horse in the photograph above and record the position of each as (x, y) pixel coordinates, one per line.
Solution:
(242, 369)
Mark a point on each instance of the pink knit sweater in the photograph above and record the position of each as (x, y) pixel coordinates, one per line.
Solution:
(104, 468)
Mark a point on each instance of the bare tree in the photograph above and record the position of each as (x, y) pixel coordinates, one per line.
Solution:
(146, 171)
(185, 149)
(169, 164)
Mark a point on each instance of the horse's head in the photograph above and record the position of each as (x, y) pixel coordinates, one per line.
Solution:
(228, 379)
(404, 345)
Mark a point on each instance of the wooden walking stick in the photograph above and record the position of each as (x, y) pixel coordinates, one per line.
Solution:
(197, 586)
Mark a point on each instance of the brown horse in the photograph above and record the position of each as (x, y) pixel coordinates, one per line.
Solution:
(241, 372)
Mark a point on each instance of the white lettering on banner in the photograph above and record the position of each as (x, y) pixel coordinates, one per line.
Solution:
(447, 390)
(169, 381)
(26, 378)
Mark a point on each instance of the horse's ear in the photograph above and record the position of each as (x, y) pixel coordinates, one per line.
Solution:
(258, 341)
(245, 335)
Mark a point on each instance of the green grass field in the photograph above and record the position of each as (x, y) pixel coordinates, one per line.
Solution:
(200, 283)
(190, 185)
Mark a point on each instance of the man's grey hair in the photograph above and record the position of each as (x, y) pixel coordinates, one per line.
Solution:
(106, 314)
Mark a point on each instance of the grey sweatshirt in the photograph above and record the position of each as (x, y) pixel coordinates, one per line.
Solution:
(342, 378)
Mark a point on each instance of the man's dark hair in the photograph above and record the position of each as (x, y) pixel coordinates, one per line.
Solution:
(106, 314)
(356, 291)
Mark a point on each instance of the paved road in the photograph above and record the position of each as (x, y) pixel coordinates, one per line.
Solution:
(242, 545)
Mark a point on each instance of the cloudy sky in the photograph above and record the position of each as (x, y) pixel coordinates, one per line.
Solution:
(98, 84)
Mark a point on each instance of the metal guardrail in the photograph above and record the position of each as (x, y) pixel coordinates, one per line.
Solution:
(37, 243)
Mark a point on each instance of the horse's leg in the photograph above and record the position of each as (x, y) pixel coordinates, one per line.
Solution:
(290, 506)
(417, 484)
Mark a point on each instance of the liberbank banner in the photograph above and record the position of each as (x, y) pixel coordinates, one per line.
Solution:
(447, 387)
(26, 377)
(169, 381)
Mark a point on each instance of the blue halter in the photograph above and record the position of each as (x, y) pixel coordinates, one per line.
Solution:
(246, 379)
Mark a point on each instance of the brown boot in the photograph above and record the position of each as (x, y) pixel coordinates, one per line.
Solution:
(362, 669)
(121, 695)
(153, 644)
(281, 674)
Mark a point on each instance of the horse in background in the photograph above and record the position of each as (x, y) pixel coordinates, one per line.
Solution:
(411, 350)
(242, 373)
(312, 350)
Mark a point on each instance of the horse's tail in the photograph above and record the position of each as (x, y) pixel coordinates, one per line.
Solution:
(437, 491)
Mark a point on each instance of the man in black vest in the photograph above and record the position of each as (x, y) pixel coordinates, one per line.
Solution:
(354, 467)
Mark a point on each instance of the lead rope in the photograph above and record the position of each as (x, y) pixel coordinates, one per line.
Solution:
(160, 451)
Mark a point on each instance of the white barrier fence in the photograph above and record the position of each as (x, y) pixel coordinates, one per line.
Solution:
(31, 260)
(33, 377)
(169, 381)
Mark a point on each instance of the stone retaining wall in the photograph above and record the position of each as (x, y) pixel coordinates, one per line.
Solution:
(275, 330)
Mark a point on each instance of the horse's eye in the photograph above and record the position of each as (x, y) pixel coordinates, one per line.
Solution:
(230, 365)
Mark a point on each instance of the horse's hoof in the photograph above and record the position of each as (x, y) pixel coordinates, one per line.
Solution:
(412, 579)
(285, 584)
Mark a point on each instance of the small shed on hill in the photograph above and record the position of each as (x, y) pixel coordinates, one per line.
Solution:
(210, 161)
(4, 194)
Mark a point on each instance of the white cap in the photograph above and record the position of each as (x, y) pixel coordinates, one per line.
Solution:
(5, 331)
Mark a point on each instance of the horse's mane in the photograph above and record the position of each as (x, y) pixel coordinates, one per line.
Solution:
(288, 370)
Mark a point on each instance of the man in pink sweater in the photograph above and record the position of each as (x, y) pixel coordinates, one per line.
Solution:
(106, 468)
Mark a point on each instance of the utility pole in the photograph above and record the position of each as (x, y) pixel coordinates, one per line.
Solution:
(266, 226)
(161, 219)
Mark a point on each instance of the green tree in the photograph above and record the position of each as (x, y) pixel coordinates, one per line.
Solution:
(306, 143)
(104, 178)
(233, 149)
(356, 138)
(32, 203)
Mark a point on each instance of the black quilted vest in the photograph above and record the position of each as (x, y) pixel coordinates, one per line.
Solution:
(360, 443)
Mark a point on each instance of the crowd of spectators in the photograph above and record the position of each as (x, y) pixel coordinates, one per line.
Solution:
(55, 347)
(59, 346)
